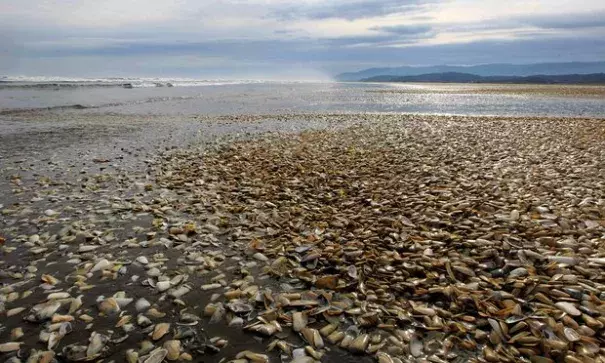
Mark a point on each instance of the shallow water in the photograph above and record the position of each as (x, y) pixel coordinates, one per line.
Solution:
(280, 97)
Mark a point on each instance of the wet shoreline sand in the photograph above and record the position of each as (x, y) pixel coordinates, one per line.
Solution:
(418, 237)
(550, 90)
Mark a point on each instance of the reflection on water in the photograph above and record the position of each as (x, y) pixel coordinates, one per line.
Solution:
(280, 97)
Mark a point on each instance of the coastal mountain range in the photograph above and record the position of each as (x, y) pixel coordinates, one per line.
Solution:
(483, 70)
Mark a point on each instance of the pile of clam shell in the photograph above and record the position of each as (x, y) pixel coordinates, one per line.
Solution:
(395, 238)
(418, 239)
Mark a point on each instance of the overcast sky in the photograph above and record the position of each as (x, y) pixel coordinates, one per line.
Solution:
(289, 38)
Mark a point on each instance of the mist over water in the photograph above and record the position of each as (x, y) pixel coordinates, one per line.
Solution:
(193, 97)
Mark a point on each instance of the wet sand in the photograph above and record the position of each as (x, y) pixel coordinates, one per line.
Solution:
(191, 194)
(553, 90)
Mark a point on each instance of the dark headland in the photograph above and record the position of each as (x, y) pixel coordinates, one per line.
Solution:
(570, 72)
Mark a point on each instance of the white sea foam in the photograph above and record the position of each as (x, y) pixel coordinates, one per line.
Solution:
(123, 81)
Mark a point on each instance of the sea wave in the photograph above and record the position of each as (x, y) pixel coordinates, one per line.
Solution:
(78, 106)
(58, 83)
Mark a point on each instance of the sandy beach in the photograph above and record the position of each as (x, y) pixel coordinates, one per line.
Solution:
(287, 181)
(332, 237)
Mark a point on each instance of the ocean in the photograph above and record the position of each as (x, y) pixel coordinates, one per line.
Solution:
(161, 96)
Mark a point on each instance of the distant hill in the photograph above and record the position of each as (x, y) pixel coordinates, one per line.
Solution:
(518, 70)
(455, 77)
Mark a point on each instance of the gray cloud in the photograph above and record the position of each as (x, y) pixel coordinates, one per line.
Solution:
(404, 29)
(567, 21)
(260, 39)
(369, 40)
(336, 55)
(351, 10)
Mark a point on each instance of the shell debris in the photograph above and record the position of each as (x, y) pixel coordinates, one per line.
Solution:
(401, 237)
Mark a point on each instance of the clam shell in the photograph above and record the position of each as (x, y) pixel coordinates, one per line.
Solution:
(160, 330)
(173, 348)
(103, 264)
(312, 337)
(109, 306)
(142, 304)
(96, 345)
(571, 335)
(10, 347)
(156, 356)
(299, 321)
(360, 344)
(569, 308)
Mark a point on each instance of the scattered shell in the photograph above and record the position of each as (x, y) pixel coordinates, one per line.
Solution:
(254, 357)
(96, 345)
(163, 286)
(16, 333)
(101, 265)
(299, 321)
(160, 330)
(132, 356)
(312, 337)
(75, 304)
(58, 296)
(42, 312)
(173, 347)
(10, 347)
(109, 306)
(211, 287)
(259, 256)
(156, 356)
(14, 311)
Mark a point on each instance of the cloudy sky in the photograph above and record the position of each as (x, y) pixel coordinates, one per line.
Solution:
(288, 38)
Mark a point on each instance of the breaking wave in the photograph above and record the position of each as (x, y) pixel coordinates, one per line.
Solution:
(84, 107)
(70, 83)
